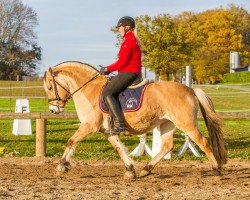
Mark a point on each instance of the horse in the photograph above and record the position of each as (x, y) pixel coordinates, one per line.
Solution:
(167, 105)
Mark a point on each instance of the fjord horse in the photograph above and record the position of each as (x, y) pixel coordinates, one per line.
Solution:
(169, 105)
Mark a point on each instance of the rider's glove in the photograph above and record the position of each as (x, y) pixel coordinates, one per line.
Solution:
(104, 71)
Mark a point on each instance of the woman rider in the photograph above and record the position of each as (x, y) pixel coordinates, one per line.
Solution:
(128, 66)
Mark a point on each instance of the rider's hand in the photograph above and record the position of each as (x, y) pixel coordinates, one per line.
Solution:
(104, 71)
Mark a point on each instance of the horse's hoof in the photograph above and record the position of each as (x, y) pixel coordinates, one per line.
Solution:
(63, 167)
(217, 172)
(144, 173)
(129, 175)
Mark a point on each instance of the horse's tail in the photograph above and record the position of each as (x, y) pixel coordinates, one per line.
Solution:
(214, 125)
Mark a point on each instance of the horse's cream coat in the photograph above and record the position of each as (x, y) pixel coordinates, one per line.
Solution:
(166, 104)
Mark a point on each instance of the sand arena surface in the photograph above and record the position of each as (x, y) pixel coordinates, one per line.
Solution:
(33, 178)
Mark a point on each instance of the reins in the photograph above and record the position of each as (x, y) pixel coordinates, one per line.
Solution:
(58, 98)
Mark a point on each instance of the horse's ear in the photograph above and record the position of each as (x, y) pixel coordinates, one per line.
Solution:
(50, 71)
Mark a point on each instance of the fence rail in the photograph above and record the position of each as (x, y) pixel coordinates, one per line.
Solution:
(73, 115)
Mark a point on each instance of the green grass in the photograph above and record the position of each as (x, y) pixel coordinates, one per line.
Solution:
(36, 105)
(96, 147)
(8, 88)
(20, 83)
(231, 103)
(227, 99)
(236, 84)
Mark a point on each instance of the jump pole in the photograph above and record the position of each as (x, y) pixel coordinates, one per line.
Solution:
(188, 143)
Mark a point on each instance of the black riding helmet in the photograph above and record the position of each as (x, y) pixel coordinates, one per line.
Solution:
(126, 21)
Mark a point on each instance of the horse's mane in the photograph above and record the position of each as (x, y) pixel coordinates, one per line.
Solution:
(75, 64)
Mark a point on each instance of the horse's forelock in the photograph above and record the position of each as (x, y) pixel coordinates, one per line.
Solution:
(46, 81)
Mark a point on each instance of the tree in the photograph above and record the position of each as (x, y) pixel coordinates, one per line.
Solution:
(242, 26)
(19, 52)
(163, 44)
(221, 31)
(210, 36)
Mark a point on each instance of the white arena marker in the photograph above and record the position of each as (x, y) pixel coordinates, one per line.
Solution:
(188, 144)
(142, 147)
(22, 126)
(156, 144)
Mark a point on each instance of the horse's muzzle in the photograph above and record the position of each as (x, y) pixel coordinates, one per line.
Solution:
(56, 109)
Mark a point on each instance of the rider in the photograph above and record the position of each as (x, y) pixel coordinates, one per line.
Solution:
(128, 66)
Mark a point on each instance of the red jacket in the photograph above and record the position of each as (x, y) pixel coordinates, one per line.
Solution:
(129, 57)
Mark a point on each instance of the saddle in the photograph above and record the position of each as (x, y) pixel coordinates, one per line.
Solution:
(139, 81)
(130, 99)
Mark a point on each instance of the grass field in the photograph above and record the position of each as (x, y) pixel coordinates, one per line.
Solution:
(95, 146)
(36, 105)
(228, 99)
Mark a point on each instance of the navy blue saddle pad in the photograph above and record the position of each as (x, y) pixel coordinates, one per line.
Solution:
(130, 99)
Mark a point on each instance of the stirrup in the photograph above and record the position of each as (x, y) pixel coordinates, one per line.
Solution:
(115, 130)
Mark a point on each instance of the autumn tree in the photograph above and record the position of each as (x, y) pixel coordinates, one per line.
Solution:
(19, 52)
(242, 26)
(220, 34)
(163, 44)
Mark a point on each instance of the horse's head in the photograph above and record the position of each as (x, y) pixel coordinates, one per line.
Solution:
(57, 91)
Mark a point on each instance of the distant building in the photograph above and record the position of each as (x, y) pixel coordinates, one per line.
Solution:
(235, 63)
(242, 69)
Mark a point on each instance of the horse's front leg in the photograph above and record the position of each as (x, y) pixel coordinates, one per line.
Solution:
(123, 153)
(80, 134)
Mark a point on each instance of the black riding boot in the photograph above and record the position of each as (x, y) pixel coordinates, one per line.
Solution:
(117, 115)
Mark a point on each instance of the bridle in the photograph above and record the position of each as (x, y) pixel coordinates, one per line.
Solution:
(58, 98)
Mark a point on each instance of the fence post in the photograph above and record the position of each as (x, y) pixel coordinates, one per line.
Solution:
(41, 137)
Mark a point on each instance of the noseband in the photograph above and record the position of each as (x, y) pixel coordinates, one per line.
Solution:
(58, 98)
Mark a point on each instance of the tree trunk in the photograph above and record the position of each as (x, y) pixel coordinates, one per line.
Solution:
(168, 76)
(157, 77)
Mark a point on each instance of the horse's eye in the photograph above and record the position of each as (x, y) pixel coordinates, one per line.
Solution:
(50, 85)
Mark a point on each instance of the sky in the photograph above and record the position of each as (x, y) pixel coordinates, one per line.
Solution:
(79, 30)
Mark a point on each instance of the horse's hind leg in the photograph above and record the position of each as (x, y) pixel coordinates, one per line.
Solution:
(122, 151)
(80, 134)
(202, 142)
(167, 130)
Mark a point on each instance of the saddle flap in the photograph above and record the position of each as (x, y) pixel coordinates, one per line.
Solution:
(130, 100)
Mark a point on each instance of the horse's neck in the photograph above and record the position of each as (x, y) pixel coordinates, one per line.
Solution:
(86, 99)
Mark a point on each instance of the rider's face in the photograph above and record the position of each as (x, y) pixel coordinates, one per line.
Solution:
(123, 29)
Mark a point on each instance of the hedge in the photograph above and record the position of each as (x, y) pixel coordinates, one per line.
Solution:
(242, 77)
